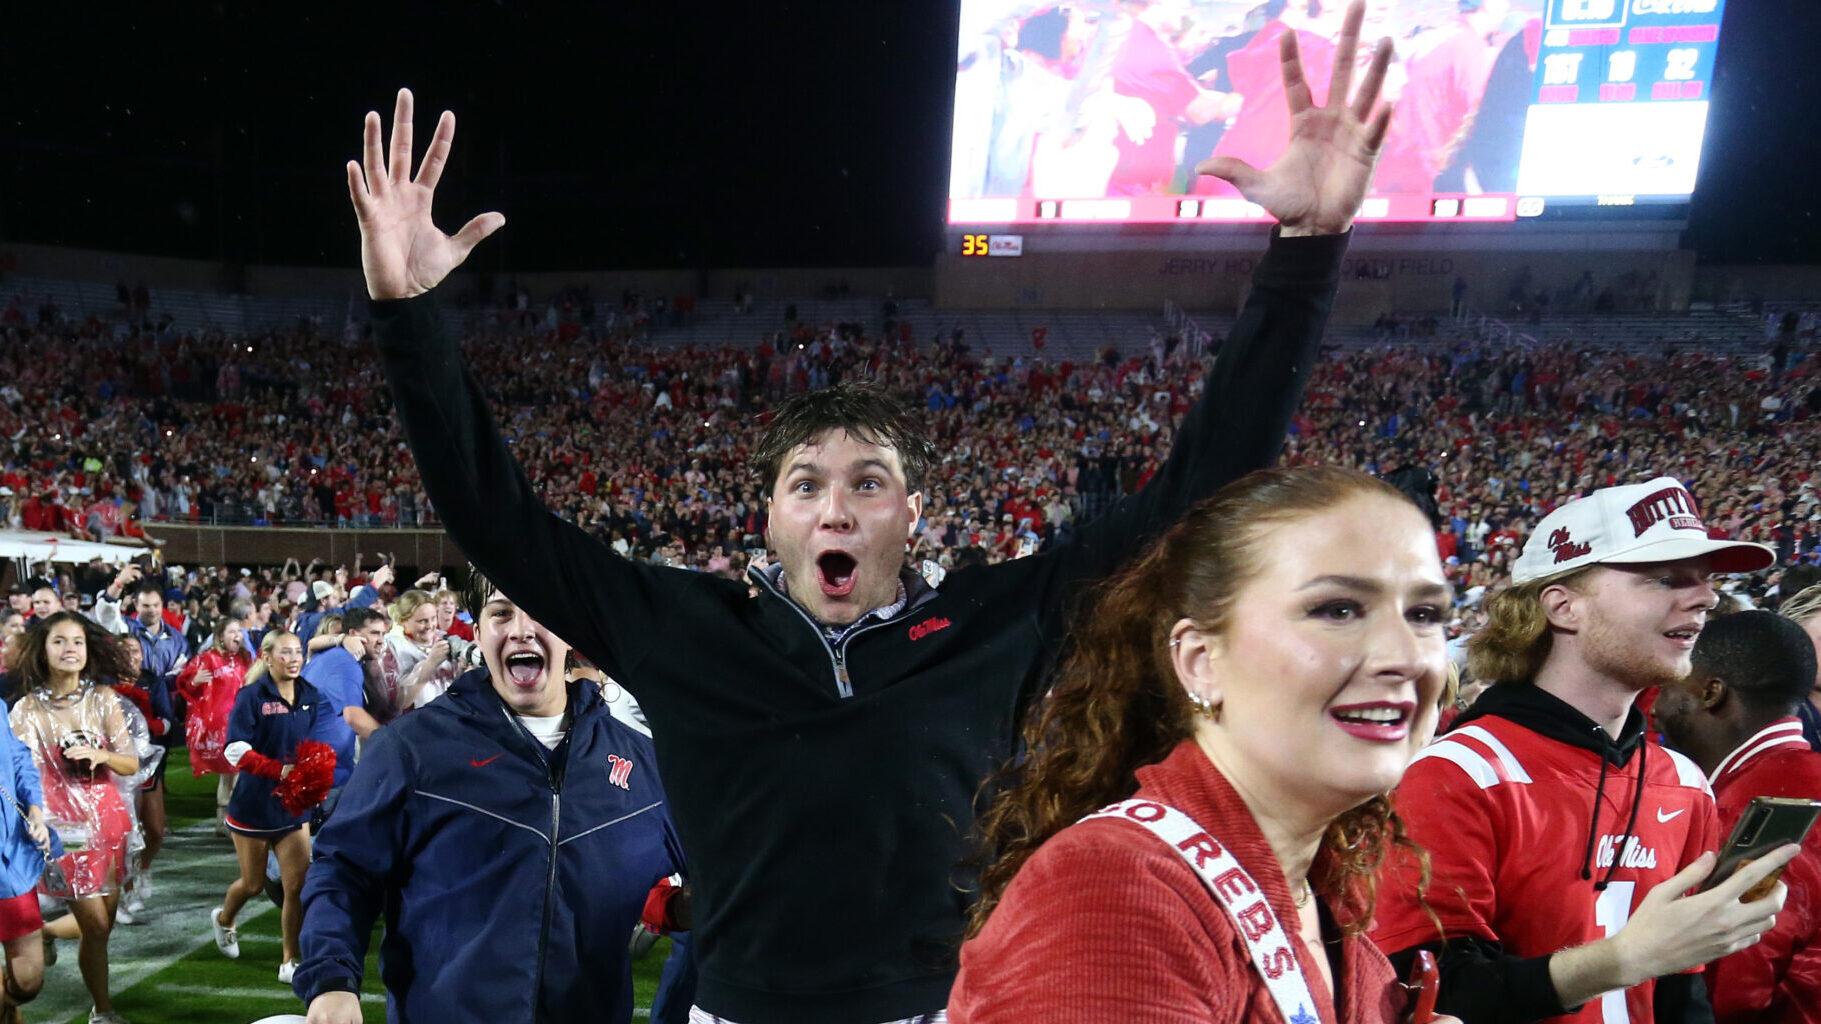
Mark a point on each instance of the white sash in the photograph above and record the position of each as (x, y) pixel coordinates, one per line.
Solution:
(1242, 898)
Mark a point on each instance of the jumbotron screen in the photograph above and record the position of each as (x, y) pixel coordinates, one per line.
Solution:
(1097, 111)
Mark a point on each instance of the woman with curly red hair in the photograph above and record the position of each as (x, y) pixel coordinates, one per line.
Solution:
(1192, 831)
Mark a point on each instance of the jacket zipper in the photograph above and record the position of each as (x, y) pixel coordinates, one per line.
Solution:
(842, 681)
(556, 821)
(837, 659)
(543, 935)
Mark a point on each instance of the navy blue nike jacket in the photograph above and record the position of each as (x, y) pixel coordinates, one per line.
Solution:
(510, 876)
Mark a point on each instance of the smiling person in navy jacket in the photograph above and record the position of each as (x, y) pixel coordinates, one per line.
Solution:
(275, 710)
(510, 832)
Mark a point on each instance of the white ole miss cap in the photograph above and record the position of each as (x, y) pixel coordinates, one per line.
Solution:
(1637, 523)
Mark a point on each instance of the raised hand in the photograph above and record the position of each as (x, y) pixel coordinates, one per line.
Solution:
(1316, 187)
(402, 253)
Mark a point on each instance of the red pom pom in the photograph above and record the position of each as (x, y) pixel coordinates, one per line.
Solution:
(140, 699)
(312, 773)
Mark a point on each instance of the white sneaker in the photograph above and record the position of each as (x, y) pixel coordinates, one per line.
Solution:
(226, 938)
(124, 915)
(141, 888)
(97, 1017)
(286, 971)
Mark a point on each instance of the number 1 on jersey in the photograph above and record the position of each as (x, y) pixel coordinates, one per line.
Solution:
(1610, 911)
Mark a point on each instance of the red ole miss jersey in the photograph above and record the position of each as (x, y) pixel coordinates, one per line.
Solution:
(1506, 814)
(1778, 980)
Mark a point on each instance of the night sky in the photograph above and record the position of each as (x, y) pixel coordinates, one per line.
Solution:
(634, 135)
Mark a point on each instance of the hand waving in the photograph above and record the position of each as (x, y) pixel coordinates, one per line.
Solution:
(402, 252)
(1316, 187)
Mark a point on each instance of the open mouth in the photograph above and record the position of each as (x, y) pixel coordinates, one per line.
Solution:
(1685, 635)
(525, 668)
(835, 571)
(1378, 721)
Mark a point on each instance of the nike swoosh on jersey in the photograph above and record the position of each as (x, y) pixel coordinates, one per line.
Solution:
(483, 764)
(1661, 817)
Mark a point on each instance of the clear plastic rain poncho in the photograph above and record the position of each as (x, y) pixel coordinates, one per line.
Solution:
(150, 756)
(83, 804)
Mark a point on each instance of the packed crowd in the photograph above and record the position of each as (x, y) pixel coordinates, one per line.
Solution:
(1255, 681)
(144, 661)
(647, 448)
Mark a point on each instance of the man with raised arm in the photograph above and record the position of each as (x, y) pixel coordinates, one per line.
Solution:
(824, 741)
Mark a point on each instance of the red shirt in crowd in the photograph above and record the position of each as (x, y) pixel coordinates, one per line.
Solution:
(1778, 980)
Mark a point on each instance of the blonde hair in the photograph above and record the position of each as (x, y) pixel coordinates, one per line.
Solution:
(1804, 606)
(263, 663)
(1516, 640)
(407, 605)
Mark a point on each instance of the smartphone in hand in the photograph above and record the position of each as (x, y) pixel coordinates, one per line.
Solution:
(1425, 978)
(1768, 823)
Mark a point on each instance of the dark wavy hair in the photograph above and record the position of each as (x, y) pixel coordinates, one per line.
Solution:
(861, 408)
(1118, 706)
(32, 666)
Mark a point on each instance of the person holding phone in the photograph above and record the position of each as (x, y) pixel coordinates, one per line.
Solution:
(1560, 839)
(1735, 714)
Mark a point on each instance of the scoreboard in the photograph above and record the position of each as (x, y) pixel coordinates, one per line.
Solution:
(1510, 109)
(1621, 101)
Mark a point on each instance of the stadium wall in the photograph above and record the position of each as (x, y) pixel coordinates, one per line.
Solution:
(1404, 280)
(340, 282)
(1196, 276)
(270, 545)
(1749, 283)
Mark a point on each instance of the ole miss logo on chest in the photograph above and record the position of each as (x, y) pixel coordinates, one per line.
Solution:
(928, 626)
(619, 771)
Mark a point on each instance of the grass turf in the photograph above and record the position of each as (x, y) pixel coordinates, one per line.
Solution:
(204, 986)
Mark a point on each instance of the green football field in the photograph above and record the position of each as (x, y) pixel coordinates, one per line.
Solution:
(166, 970)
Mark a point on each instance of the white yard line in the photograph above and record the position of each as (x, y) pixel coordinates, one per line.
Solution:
(275, 993)
(188, 879)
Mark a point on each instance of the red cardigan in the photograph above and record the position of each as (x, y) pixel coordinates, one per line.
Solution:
(1107, 923)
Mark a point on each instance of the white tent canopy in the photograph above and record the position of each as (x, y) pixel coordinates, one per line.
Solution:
(49, 547)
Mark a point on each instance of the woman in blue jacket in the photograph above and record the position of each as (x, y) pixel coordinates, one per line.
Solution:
(275, 711)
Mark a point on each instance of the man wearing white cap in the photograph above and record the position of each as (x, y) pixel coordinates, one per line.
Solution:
(1562, 840)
